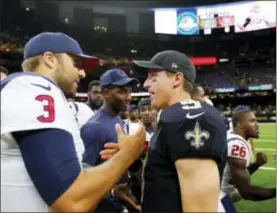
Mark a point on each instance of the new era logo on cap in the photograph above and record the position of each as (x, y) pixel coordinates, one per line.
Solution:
(174, 65)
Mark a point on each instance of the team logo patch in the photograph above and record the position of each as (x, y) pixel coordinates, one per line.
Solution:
(197, 136)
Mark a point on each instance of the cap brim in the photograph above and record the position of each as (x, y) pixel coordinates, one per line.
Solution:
(125, 81)
(147, 65)
(89, 62)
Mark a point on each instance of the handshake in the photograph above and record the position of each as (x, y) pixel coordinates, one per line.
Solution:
(133, 144)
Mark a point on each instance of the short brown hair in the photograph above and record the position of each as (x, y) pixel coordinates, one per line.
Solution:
(187, 85)
(4, 70)
(31, 64)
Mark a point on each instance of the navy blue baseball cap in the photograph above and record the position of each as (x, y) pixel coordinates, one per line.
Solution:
(144, 102)
(57, 43)
(241, 108)
(132, 107)
(116, 77)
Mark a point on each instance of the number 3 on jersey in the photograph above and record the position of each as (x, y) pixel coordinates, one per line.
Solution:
(48, 107)
(238, 151)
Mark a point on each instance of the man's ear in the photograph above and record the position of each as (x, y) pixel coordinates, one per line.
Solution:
(240, 125)
(106, 92)
(49, 60)
(178, 79)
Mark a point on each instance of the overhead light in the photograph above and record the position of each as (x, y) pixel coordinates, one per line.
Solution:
(227, 29)
(223, 60)
(66, 20)
(134, 51)
(27, 9)
(207, 31)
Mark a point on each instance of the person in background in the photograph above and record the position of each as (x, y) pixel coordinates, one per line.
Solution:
(84, 111)
(98, 131)
(133, 122)
(3, 72)
(238, 170)
(95, 96)
(81, 111)
(146, 117)
(198, 93)
(124, 115)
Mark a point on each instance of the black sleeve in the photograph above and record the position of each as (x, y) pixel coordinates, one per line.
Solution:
(195, 139)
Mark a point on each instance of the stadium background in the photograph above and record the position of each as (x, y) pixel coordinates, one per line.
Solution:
(233, 67)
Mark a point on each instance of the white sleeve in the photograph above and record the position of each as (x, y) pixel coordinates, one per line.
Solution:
(33, 102)
(84, 113)
(238, 149)
(209, 101)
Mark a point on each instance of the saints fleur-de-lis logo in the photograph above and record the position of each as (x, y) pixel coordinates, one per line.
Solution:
(197, 137)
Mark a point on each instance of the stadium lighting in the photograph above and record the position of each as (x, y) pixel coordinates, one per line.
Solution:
(27, 9)
(223, 60)
(134, 51)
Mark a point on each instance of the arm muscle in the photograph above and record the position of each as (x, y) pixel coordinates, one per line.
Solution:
(241, 179)
(199, 180)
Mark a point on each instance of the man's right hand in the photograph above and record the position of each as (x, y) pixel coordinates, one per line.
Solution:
(133, 143)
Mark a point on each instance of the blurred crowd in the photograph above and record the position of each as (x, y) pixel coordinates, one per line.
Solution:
(249, 57)
(260, 110)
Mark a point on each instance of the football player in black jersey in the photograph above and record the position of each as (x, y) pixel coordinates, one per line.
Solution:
(188, 150)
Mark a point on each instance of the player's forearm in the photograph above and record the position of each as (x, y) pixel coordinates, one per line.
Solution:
(253, 168)
(258, 193)
(92, 185)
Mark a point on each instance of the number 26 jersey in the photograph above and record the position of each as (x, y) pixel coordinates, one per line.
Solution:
(238, 148)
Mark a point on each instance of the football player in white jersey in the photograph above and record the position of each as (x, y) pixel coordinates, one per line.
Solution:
(238, 170)
(198, 93)
(41, 147)
(81, 111)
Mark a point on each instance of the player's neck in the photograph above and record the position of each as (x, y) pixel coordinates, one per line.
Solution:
(109, 110)
(136, 120)
(93, 106)
(46, 74)
(241, 133)
(178, 97)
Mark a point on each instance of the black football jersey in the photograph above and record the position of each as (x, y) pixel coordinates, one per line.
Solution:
(185, 130)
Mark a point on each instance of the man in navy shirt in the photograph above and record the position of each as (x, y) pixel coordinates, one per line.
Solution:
(116, 87)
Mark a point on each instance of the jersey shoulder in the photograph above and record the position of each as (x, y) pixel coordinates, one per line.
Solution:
(31, 101)
(238, 147)
(27, 81)
(192, 111)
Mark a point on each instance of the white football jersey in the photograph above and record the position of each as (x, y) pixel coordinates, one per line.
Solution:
(239, 148)
(81, 111)
(29, 102)
(231, 128)
(133, 126)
